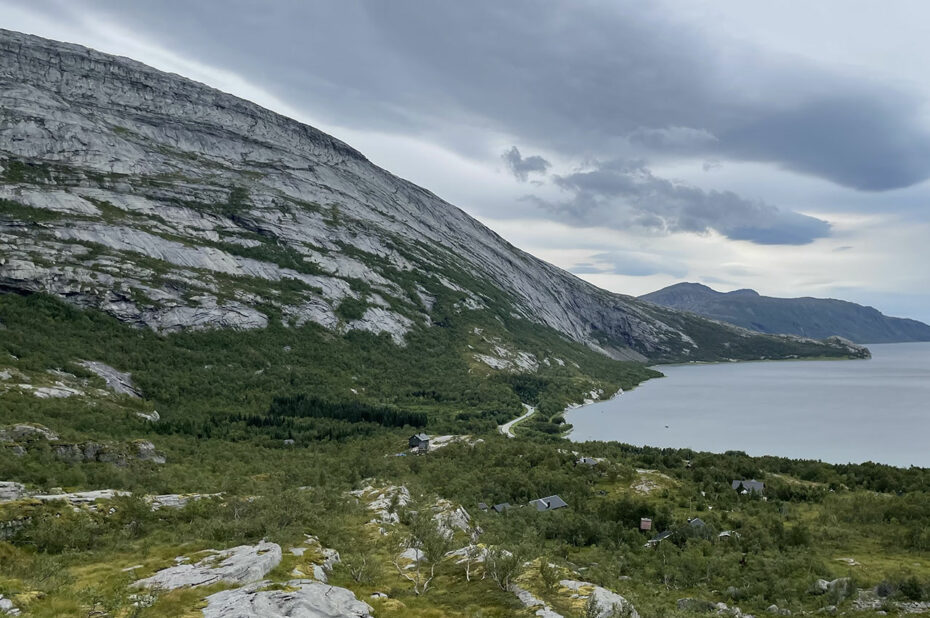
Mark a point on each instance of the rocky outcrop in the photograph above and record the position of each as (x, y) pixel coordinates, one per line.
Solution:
(81, 498)
(607, 603)
(238, 565)
(322, 563)
(10, 491)
(300, 598)
(26, 432)
(384, 502)
(174, 206)
(118, 454)
(116, 381)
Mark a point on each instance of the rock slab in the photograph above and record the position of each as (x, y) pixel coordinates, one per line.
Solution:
(238, 565)
(303, 598)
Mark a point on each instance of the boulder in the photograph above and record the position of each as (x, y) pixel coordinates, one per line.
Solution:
(7, 607)
(302, 598)
(238, 565)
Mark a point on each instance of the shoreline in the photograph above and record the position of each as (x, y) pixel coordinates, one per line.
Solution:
(782, 396)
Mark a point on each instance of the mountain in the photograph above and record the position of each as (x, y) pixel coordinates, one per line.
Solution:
(173, 206)
(807, 317)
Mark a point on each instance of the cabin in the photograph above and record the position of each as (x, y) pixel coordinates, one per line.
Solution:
(419, 441)
(549, 503)
(645, 524)
(586, 461)
(482, 506)
(654, 541)
(500, 508)
(697, 523)
(748, 486)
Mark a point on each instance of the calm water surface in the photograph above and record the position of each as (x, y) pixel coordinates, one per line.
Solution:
(835, 411)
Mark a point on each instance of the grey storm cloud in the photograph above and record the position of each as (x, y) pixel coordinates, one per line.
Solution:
(522, 166)
(626, 194)
(590, 78)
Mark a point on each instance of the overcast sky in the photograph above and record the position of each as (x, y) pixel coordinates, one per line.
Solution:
(779, 146)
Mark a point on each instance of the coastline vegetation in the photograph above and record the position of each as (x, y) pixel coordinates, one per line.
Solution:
(231, 402)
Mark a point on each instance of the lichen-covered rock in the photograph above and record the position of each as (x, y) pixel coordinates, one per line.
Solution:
(302, 598)
(237, 565)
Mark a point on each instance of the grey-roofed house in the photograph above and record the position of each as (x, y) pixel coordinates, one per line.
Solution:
(419, 441)
(587, 461)
(748, 486)
(697, 522)
(549, 503)
(659, 538)
(482, 506)
(500, 508)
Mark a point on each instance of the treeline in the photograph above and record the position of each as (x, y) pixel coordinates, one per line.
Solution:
(305, 406)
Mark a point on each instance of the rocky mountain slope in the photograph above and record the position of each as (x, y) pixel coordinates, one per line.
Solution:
(807, 317)
(174, 206)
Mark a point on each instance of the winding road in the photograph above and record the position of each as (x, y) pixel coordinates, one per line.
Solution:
(507, 428)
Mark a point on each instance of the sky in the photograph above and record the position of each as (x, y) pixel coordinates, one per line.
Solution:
(783, 147)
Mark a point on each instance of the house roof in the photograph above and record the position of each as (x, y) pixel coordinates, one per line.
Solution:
(500, 508)
(482, 506)
(420, 436)
(697, 522)
(549, 503)
(660, 537)
(750, 485)
(587, 460)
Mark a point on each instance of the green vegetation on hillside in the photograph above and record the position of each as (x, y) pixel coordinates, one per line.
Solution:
(229, 400)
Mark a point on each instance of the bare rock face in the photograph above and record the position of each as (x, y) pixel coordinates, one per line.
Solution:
(116, 381)
(174, 206)
(302, 598)
(10, 491)
(238, 565)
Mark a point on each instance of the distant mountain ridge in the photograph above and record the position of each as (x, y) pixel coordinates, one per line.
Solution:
(807, 317)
